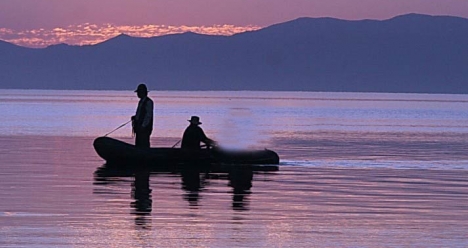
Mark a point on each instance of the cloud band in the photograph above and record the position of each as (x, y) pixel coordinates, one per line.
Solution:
(89, 34)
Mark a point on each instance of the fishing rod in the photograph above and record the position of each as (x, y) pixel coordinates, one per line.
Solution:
(176, 143)
(118, 128)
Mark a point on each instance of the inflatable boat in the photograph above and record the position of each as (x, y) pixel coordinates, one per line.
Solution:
(116, 152)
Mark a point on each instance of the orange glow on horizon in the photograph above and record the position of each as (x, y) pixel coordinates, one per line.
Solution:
(90, 34)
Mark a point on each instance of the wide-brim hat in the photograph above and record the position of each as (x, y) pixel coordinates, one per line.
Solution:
(195, 120)
(141, 88)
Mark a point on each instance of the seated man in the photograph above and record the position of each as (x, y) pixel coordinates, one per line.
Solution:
(193, 135)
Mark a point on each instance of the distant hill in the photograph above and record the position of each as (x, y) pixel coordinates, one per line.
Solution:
(409, 53)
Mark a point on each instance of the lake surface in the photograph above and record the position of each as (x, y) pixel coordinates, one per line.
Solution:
(357, 170)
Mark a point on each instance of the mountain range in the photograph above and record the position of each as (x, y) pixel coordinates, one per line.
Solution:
(411, 53)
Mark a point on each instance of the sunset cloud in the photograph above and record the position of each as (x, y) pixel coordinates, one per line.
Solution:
(89, 34)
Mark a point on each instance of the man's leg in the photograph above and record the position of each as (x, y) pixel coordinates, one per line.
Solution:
(142, 139)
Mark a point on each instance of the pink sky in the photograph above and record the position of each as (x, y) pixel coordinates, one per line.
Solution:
(30, 16)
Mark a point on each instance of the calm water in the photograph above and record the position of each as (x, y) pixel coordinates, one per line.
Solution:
(357, 170)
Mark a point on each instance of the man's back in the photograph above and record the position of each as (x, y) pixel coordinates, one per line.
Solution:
(193, 135)
(144, 114)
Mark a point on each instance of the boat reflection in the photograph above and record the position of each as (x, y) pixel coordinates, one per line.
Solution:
(194, 180)
(141, 206)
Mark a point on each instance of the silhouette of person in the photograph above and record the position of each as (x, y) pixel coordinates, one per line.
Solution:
(240, 180)
(142, 121)
(194, 134)
(141, 192)
(192, 185)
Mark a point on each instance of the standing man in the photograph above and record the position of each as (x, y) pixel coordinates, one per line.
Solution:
(142, 121)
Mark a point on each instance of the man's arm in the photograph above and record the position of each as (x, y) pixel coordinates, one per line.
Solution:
(205, 139)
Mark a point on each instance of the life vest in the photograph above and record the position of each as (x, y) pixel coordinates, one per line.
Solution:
(141, 116)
